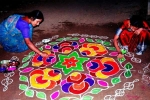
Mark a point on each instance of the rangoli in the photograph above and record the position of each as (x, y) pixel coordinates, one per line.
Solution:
(79, 67)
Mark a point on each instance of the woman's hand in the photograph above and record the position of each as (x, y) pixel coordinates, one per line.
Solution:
(120, 56)
(43, 54)
(34, 48)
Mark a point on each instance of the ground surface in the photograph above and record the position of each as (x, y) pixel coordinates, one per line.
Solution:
(84, 19)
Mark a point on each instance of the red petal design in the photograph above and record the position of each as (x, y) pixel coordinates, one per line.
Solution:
(40, 80)
(100, 67)
(93, 74)
(87, 52)
(66, 48)
(65, 43)
(94, 47)
(52, 85)
(52, 73)
(101, 53)
(37, 71)
(85, 45)
(76, 77)
(79, 86)
(45, 61)
(35, 58)
(74, 91)
(58, 82)
(76, 80)
(115, 69)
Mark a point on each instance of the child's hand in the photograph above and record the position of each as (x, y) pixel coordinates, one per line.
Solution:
(43, 54)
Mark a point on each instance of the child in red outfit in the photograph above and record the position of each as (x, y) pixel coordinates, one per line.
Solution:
(133, 35)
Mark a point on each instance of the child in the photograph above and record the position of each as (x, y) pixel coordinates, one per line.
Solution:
(133, 35)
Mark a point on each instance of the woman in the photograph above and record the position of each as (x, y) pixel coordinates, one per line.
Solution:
(16, 32)
(133, 35)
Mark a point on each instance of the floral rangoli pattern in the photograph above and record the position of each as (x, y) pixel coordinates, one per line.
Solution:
(103, 67)
(79, 66)
(77, 83)
(45, 78)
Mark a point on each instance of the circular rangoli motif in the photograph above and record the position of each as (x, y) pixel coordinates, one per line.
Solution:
(79, 67)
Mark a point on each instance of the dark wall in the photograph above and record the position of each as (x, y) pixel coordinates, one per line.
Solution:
(10, 4)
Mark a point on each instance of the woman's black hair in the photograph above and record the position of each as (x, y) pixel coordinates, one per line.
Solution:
(136, 21)
(35, 14)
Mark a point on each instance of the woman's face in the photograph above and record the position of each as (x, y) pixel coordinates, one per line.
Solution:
(36, 22)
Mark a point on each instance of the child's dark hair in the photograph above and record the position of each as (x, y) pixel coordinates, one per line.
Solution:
(35, 14)
(136, 21)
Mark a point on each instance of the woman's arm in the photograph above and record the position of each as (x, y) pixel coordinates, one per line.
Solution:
(125, 25)
(116, 37)
(32, 47)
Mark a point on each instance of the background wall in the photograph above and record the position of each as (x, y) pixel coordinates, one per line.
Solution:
(76, 11)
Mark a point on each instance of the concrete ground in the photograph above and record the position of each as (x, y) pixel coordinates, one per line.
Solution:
(90, 17)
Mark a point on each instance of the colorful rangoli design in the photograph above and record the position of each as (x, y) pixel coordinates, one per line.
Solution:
(79, 66)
